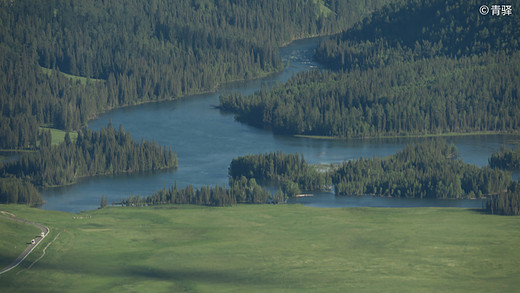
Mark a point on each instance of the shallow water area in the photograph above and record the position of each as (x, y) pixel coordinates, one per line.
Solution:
(206, 141)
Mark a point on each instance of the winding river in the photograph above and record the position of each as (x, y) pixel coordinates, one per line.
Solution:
(206, 141)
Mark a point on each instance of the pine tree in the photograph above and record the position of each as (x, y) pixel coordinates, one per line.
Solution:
(103, 203)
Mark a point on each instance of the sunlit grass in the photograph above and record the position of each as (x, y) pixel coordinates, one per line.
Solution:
(81, 79)
(58, 136)
(323, 9)
(262, 248)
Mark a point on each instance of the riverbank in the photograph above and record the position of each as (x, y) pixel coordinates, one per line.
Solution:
(273, 248)
(218, 86)
(426, 135)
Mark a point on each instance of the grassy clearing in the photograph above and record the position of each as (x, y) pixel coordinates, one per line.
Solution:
(82, 80)
(58, 136)
(323, 168)
(261, 248)
(323, 9)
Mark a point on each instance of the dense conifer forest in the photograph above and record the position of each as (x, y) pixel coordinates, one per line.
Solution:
(108, 151)
(290, 171)
(15, 190)
(421, 29)
(506, 159)
(424, 170)
(505, 203)
(428, 67)
(241, 190)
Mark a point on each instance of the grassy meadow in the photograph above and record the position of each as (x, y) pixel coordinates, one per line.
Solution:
(79, 79)
(58, 136)
(263, 248)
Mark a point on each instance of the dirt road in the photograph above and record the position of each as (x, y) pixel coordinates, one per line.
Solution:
(30, 247)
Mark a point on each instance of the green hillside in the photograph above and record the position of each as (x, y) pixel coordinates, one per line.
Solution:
(264, 248)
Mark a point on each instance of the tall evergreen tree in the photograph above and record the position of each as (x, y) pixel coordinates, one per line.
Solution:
(103, 203)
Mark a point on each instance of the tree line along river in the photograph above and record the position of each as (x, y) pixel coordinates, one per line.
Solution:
(206, 141)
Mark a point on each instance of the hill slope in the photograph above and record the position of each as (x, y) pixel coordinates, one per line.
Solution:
(429, 67)
(262, 248)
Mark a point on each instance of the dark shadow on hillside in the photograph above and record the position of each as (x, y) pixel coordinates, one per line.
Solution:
(7, 259)
(481, 211)
(171, 274)
(484, 212)
(197, 276)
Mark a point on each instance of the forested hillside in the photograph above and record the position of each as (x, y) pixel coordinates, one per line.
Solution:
(422, 29)
(428, 67)
(18, 191)
(64, 61)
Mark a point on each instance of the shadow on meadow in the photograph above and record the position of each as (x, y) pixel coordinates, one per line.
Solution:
(195, 275)
(134, 275)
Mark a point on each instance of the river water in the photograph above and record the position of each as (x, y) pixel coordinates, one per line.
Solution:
(206, 141)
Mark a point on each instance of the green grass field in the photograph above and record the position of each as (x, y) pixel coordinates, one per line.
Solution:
(82, 80)
(323, 9)
(58, 136)
(262, 248)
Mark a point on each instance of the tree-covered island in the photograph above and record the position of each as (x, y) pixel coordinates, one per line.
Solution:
(429, 169)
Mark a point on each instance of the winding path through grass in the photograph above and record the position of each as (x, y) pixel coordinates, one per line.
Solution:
(31, 246)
